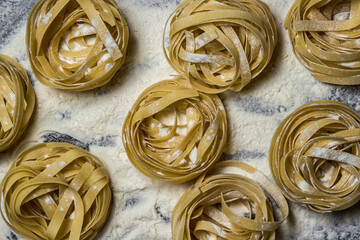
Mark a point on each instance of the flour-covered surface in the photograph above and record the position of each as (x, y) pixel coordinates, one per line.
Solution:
(93, 120)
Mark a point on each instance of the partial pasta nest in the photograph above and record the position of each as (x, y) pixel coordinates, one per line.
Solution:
(17, 101)
(326, 39)
(76, 44)
(173, 132)
(315, 156)
(231, 201)
(56, 191)
(220, 44)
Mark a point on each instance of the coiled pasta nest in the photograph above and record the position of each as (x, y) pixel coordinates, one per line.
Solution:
(173, 132)
(17, 101)
(76, 44)
(232, 201)
(326, 39)
(315, 156)
(220, 44)
(56, 191)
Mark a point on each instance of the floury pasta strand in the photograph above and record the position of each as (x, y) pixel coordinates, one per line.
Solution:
(76, 44)
(220, 45)
(17, 101)
(56, 191)
(173, 132)
(325, 36)
(230, 201)
(315, 156)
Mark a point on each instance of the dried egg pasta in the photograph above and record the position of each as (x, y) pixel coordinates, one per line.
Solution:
(76, 44)
(220, 44)
(232, 202)
(17, 100)
(173, 132)
(315, 156)
(56, 191)
(325, 36)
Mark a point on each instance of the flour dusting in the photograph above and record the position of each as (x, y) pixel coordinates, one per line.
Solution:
(94, 120)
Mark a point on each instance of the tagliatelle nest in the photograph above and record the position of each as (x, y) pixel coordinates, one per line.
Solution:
(315, 156)
(326, 39)
(56, 191)
(220, 44)
(230, 201)
(76, 44)
(17, 101)
(173, 132)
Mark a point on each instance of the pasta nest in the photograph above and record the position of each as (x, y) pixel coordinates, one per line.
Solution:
(231, 201)
(17, 101)
(220, 44)
(325, 36)
(76, 44)
(56, 191)
(315, 156)
(173, 132)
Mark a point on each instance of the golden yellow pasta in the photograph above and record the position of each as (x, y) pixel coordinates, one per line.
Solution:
(220, 44)
(326, 38)
(56, 191)
(173, 132)
(230, 201)
(315, 156)
(76, 44)
(17, 100)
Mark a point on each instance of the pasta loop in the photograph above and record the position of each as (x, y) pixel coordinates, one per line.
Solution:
(315, 156)
(17, 101)
(231, 201)
(76, 44)
(56, 191)
(220, 44)
(325, 36)
(173, 132)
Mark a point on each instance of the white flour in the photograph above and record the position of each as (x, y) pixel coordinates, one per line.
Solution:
(142, 207)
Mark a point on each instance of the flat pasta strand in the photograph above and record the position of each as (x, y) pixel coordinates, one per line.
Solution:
(76, 44)
(173, 132)
(230, 201)
(315, 156)
(56, 191)
(325, 37)
(17, 101)
(220, 44)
